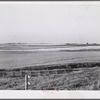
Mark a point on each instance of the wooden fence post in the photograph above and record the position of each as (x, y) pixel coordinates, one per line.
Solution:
(26, 82)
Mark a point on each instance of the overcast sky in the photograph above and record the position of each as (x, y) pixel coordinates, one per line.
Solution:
(50, 22)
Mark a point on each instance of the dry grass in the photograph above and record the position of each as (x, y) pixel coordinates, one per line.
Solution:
(59, 78)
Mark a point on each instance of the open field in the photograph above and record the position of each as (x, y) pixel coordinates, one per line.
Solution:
(60, 67)
(20, 59)
(79, 76)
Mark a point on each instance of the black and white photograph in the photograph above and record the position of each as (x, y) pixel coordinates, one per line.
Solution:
(50, 45)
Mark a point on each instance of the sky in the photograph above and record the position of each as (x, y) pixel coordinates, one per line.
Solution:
(50, 22)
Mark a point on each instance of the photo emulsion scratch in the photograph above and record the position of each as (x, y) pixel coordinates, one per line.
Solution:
(49, 46)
